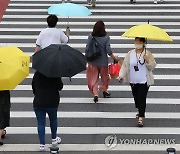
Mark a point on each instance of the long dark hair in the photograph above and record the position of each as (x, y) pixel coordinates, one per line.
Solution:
(99, 29)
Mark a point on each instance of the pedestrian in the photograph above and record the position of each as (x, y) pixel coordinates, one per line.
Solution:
(156, 1)
(4, 113)
(132, 1)
(46, 101)
(63, 1)
(51, 35)
(92, 2)
(137, 70)
(99, 66)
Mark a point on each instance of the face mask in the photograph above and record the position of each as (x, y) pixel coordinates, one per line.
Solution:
(139, 46)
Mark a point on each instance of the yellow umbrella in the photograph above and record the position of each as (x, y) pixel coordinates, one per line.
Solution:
(149, 32)
(14, 67)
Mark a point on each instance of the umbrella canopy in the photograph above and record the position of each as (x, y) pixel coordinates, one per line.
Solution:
(149, 32)
(14, 67)
(59, 61)
(69, 10)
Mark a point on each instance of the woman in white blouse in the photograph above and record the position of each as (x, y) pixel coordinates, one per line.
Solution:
(137, 70)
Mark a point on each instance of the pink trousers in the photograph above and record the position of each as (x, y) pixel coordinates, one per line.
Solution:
(92, 75)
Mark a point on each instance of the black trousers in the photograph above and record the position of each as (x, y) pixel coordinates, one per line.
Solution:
(4, 109)
(139, 92)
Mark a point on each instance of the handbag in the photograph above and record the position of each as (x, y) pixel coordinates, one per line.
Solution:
(94, 51)
(114, 70)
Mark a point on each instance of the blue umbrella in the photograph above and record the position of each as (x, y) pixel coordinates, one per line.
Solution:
(69, 10)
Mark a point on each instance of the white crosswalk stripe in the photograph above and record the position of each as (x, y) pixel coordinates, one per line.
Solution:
(19, 100)
(98, 130)
(112, 88)
(87, 147)
(82, 124)
(122, 115)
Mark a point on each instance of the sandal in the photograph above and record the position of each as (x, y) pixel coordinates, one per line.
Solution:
(95, 99)
(140, 123)
(3, 136)
(137, 116)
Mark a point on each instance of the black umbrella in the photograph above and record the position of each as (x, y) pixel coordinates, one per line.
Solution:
(59, 61)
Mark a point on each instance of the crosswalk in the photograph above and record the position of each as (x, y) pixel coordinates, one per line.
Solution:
(83, 125)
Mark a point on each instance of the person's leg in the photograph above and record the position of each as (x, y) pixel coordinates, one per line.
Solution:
(41, 119)
(134, 88)
(104, 73)
(52, 113)
(155, 2)
(1, 134)
(93, 3)
(143, 90)
(92, 79)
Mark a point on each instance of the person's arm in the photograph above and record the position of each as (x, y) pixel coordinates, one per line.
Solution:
(33, 86)
(150, 61)
(37, 48)
(114, 57)
(65, 37)
(89, 41)
(123, 69)
(109, 50)
(68, 32)
(38, 43)
(60, 84)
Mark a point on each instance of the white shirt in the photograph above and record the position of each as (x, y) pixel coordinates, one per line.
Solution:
(137, 76)
(50, 36)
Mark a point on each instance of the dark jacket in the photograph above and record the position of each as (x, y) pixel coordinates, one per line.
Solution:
(46, 91)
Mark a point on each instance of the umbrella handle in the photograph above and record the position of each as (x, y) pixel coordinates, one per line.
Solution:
(68, 23)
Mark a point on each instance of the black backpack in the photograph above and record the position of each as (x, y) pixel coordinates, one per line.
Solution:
(94, 51)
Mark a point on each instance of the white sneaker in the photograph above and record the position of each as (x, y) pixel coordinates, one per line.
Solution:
(56, 141)
(42, 148)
